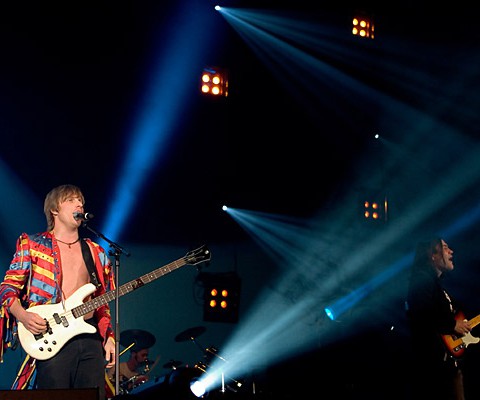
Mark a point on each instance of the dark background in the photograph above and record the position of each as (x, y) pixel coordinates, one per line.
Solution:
(72, 72)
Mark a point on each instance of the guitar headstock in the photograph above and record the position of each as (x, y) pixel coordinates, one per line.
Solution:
(198, 255)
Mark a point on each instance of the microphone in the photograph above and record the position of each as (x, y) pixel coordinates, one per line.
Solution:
(83, 216)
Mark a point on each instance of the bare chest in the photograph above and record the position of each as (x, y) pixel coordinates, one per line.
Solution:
(74, 270)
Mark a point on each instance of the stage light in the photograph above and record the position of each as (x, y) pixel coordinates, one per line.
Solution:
(372, 210)
(221, 297)
(330, 313)
(198, 388)
(214, 82)
(363, 26)
(375, 209)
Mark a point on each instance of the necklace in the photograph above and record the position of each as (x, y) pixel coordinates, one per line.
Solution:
(68, 244)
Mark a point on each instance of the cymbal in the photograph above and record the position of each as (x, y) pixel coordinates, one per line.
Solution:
(141, 339)
(172, 364)
(190, 334)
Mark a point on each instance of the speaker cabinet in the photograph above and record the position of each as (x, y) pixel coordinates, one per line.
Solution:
(52, 394)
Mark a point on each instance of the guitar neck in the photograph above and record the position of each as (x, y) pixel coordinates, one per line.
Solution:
(474, 321)
(105, 298)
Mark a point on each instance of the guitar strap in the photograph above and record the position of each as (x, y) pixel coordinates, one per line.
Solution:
(87, 256)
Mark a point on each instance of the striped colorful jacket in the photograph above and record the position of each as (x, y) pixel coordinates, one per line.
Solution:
(33, 278)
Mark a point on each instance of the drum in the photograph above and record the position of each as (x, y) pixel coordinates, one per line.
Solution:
(183, 375)
(175, 384)
(129, 384)
(150, 385)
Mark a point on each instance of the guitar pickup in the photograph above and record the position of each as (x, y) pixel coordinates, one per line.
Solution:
(60, 320)
(57, 318)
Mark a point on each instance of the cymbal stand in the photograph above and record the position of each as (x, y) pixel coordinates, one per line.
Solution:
(213, 351)
(192, 338)
(223, 383)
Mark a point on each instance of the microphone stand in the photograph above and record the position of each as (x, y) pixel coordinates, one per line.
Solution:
(115, 251)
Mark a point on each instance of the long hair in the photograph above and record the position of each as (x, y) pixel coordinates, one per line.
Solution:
(424, 252)
(55, 197)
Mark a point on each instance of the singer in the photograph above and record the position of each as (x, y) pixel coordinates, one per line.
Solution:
(50, 268)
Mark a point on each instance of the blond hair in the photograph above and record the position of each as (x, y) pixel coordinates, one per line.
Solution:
(55, 197)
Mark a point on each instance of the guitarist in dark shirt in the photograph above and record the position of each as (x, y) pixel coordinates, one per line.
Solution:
(432, 315)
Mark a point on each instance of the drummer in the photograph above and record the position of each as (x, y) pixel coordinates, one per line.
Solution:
(134, 371)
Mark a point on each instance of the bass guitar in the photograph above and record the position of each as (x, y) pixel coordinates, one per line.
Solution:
(456, 345)
(66, 321)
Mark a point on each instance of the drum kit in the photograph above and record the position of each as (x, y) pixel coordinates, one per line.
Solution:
(210, 354)
(178, 378)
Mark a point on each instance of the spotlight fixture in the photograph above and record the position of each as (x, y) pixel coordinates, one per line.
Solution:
(375, 209)
(363, 26)
(214, 82)
(221, 296)
(330, 313)
(198, 388)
